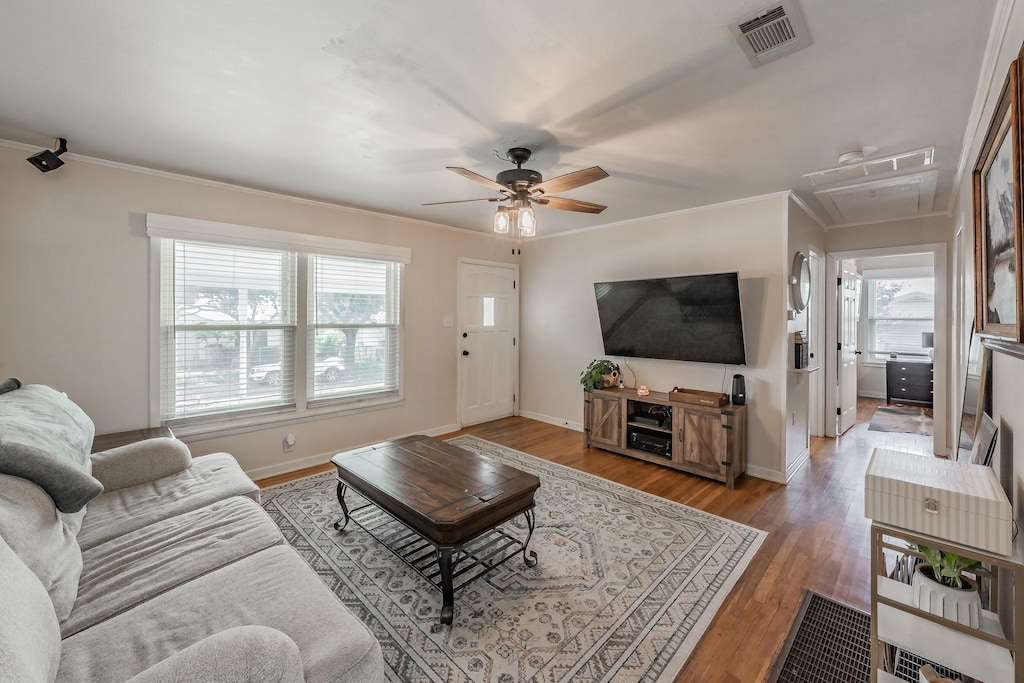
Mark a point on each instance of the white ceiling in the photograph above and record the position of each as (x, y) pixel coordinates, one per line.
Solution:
(364, 103)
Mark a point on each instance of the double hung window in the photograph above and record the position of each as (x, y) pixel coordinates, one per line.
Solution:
(901, 316)
(248, 328)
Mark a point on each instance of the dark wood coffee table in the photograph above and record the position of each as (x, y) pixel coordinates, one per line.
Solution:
(449, 497)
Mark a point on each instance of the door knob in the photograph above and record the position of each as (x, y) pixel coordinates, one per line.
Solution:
(465, 353)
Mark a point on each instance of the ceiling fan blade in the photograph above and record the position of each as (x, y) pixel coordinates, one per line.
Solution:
(570, 180)
(463, 201)
(477, 178)
(566, 204)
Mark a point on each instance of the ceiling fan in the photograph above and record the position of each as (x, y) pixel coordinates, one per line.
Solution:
(525, 187)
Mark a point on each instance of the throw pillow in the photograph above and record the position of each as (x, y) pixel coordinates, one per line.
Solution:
(69, 486)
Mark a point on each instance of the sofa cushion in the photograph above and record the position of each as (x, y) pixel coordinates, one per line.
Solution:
(29, 634)
(34, 529)
(130, 569)
(238, 655)
(273, 588)
(209, 479)
(45, 438)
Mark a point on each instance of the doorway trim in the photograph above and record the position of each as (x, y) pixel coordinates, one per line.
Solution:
(460, 262)
(940, 406)
(817, 325)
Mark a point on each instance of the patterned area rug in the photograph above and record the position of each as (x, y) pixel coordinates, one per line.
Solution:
(901, 419)
(625, 585)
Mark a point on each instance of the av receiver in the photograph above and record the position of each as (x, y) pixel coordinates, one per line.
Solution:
(652, 443)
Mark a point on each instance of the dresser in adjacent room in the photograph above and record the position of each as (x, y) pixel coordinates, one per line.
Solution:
(908, 381)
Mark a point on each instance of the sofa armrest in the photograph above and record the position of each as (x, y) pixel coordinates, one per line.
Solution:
(244, 654)
(140, 462)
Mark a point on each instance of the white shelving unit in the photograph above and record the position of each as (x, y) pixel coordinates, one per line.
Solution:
(985, 653)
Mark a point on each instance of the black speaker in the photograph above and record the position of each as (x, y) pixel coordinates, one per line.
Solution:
(739, 390)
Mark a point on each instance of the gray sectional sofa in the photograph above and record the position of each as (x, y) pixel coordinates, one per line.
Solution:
(145, 564)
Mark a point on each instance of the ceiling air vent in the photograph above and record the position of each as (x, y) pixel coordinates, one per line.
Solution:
(772, 32)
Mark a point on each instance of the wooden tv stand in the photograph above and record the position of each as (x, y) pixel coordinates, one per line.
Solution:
(703, 440)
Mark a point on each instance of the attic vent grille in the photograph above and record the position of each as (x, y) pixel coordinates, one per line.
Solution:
(772, 32)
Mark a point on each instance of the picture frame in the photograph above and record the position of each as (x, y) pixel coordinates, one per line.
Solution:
(998, 216)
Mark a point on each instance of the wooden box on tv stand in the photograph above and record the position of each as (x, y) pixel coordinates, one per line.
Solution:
(698, 397)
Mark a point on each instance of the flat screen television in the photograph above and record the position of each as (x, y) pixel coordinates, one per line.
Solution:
(690, 318)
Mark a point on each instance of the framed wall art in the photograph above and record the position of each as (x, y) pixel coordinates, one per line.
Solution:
(998, 218)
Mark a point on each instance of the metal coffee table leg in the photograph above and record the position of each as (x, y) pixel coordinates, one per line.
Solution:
(342, 523)
(444, 561)
(529, 559)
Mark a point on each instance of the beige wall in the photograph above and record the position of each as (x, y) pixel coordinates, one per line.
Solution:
(561, 333)
(74, 262)
(804, 235)
(1008, 372)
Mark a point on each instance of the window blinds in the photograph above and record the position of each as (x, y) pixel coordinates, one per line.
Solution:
(228, 326)
(354, 328)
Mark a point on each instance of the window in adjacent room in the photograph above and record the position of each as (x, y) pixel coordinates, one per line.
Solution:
(901, 317)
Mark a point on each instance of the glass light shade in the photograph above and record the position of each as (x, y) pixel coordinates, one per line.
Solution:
(502, 220)
(527, 222)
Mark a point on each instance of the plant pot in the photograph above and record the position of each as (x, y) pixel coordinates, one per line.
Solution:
(962, 605)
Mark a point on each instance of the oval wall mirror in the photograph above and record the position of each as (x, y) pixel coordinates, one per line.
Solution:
(800, 282)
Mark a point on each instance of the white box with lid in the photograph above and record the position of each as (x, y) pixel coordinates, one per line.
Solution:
(953, 501)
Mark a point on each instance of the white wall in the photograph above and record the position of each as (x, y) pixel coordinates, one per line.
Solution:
(1008, 372)
(803, 235)
(75, 298)
(561, 333)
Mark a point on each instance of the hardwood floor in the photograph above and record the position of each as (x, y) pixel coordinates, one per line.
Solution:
(817, 533)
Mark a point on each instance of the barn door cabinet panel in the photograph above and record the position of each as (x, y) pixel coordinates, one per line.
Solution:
(704, 440)
(603, 420)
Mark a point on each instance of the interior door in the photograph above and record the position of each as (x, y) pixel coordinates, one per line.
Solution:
(488, 360)
(850, 288)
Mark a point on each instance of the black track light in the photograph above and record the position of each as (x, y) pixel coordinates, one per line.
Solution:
(46, 160)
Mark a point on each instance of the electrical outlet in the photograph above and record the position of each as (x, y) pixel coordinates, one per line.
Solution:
(447, 321)
(288, 443)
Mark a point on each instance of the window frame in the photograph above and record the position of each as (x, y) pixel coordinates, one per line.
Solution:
(301, 409)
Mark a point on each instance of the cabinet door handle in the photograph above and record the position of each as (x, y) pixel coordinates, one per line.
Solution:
(680, 433)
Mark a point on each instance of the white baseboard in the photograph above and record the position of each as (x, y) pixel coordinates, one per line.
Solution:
(871, 394)
(438, 431)
(321, 458)
(290, 466)
(557, 421)
(765, 473)
(797, 464)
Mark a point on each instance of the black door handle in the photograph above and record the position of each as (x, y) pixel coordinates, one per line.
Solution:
(857, 353)
(465, 353)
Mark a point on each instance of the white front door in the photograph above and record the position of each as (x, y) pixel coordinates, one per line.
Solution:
(488, 356)
(849, 315)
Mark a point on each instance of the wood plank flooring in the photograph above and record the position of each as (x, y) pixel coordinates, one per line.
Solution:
(818, 537)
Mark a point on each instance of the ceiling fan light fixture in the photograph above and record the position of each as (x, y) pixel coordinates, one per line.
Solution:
(527, 221)
(502, 220)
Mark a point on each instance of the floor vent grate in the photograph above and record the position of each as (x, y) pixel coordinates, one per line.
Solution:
(831, 642)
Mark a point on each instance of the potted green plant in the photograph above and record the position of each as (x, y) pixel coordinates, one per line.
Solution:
(942, 588)
(599, 374)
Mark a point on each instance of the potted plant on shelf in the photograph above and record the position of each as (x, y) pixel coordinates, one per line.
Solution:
(599, 374)
(942, 588)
